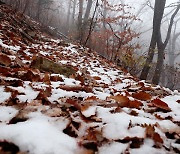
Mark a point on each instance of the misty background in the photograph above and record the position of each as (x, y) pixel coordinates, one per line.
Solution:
(119, 30)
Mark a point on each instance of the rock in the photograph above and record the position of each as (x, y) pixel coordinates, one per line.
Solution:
(46, 65)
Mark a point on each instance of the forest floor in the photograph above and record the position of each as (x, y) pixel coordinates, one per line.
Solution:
(58, 97)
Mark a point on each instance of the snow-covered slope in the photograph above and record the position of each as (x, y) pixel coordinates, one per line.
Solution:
(96, 109)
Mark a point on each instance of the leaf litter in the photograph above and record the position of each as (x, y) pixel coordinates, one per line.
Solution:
(94, 107)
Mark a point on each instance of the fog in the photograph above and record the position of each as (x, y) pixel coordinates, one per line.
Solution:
(114, 28)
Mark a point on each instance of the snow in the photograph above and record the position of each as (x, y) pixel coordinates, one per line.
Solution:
(4, 95)
(44, 130)
(120, 86)
(115, 148)
(59, 93)
(13, 48)
(29, 94)
(7, 113)
(63, 62)
(147, 148)
(39, 137)
(70, 47)
(90, 111)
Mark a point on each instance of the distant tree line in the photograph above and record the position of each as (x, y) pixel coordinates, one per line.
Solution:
(110, 29)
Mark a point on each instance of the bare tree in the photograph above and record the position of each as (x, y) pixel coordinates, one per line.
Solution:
(156, 41)
(80, 17)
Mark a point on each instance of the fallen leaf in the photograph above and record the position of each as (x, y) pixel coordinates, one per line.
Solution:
(56, 78)
(150, 133)
(5, 60)
(157, 138)
(46, 78)
(178, 101)
(123, 101)
(135, 104)
(74, 103)
(7, 147)
(143, 96)
(96, 78)
(76, 88)
(160, 104)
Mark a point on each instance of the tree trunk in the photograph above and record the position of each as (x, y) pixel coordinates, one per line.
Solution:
(104, 15)
(68, 17)
(85, 21)
(159, 65)
(80, 19)
(161, 47)
(73, 12)
(158, 15)
(149, 59)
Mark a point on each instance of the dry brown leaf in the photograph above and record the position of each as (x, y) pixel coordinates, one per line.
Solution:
(91, 98)
(178, 101)
(5, 60)
(96, 78)
(76, 88)
(80, 78)
(150, 133)
(46, 78)
(160, 104)
(123, 101)
(43, 96)
(56, 78)
(143, 96)
(74, 103)
(157, 138)
(30, 75)
(135, 104)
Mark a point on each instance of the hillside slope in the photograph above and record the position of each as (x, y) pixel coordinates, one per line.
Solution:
(62, 98)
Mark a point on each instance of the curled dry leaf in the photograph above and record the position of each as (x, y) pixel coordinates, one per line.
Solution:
(160, 104)
(143, 96)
